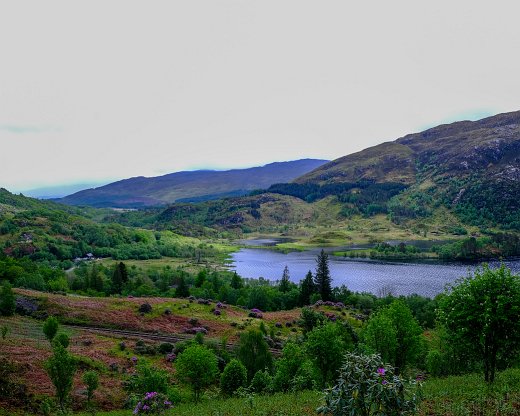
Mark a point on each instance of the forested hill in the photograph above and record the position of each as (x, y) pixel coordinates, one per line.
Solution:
(471, 168)
(195, 186)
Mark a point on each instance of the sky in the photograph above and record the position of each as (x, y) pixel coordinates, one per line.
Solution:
(94, 91)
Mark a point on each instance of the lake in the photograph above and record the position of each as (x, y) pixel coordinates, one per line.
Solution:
(427, 278)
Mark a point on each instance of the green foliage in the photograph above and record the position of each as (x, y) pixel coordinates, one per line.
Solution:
(147, 378)
(7, 300)
(182, 290)
(288, 367)
(50, 328)
(197, 367)
(61, 368)
(322, 278)
(91, 380)
(4, 331)
(367, 387)
(481, 313)
(253, 352)
(307, 288)
(63, 339)
(326, 346)
(395, 334)
(309, 319)
(261, 382)
(285, 283)
(233, 377)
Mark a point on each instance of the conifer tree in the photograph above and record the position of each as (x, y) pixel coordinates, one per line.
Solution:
(285, 283)
(307, 288)
(182, 290)
(322, 278)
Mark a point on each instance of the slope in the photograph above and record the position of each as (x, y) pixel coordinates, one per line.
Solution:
(190, 186)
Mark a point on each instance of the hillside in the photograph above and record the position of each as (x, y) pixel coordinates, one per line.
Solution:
(446, 182)
(192, 186)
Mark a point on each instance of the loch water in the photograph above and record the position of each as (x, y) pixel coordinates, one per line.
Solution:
(426, 278)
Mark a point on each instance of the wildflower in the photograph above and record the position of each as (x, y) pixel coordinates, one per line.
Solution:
(381, 371)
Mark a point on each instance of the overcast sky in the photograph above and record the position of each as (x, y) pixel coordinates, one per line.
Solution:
(101, 90)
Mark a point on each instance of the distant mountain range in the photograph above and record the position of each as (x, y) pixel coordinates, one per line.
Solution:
(194, 186)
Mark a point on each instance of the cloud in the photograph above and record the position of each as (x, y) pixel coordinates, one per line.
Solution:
(21, 129)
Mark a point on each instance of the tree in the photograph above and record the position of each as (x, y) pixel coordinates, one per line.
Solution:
(236, 281)
(395, 334)
(95, 280)
(7, 300)
(307, 288)
(285, 284)
(326, 346)
(182, 290)
(50, 328)
(480, 314)
(117, 281)
(91, 380)
(254, 352)
(233, 377)
(61, 367)
(197, 367)
(322, 278)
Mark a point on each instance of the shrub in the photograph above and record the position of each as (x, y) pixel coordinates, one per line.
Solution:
(367, 387)
(262, 382)
(91, 380)
(233, 377)
(165, 348)
(153, 403)
(147, 378)
(50, 328)
(7, 300)
(63, 339)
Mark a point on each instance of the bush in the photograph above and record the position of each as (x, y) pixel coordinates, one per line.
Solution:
(165, 348)
(254, 352)
(367, 387)
(233, 377)
(50, 328)
(63, 339)
(91, 380)
(147, 379)
(153, 403)
(7, 300)
(261, 382)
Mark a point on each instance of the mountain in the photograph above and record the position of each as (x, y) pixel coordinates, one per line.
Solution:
(192, 186)
(451, 180)
(55, 192)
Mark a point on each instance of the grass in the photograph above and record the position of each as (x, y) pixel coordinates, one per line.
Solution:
(281, 404)
(469, 395)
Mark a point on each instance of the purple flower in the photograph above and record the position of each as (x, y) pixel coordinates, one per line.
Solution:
(381, 371)
(134, 359)
(384, 382)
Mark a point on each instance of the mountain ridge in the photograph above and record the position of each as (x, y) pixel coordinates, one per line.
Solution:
(187, 186)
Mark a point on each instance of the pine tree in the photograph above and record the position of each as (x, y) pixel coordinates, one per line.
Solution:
(182, 290)
(95, 280)
(322, 278)
(285, 284)
(117, 280)
(307, 289)
(236, 281)
(123, 271)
